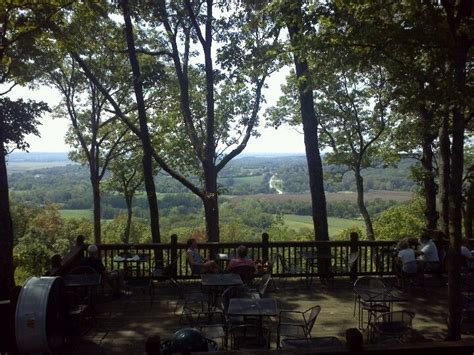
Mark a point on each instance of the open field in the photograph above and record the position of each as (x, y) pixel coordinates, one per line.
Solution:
(244, 180)
(399, 196)
(68, 214)
(336, 225)
(15, 167)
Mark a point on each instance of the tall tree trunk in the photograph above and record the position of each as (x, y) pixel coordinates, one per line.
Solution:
(95, 182)
(211, 203)
(144, 133)
(469, 210)
(444, 171)
(455, 228)
(126, 234)
(7, 279)
(361, 205)
(429, 184)
(457, 13)
(310, 128)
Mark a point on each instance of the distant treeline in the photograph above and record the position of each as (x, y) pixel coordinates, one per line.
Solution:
(69, 185)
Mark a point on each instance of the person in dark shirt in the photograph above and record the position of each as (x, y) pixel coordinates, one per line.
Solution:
(93, 260)
(112, 278)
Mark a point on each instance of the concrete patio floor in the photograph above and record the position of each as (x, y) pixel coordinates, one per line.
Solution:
(123, 325)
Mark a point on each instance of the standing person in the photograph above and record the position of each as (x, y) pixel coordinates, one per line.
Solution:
(241, 259)
(198, 264)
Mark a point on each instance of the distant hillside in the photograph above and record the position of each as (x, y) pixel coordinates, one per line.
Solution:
(16, 157)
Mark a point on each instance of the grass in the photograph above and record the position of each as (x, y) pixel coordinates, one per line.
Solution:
(245, 180)
(399, 196)
(69, 214)
(336, 225)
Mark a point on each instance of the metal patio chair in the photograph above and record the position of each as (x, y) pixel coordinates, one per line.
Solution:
(299, 327)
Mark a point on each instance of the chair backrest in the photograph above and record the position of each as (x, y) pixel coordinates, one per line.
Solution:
(180, 289)
(369, 285)
(262, 288)
(249, 336)
(246, 272)
(282, 261)
(311, 319)
(234, 292)
(83, 269)
(353, 257)
(405, 317)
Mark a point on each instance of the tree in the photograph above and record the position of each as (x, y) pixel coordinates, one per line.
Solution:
(353, 107)
(92, 132)
(17, 119)
(86, 19)
(20, 26)
(227, 96)
(126, 178)
(290, 14)
(438, 35)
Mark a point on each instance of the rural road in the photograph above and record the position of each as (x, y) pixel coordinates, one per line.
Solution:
(272, 184)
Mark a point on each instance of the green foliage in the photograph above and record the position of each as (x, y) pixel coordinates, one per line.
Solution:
(113, 230)
(18, 119)
(41, 233)
(403, 221)
(346, 233)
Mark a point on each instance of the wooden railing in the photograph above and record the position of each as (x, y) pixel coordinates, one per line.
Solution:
(375, 257)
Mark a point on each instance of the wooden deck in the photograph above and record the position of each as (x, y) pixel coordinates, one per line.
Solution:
(123, 325)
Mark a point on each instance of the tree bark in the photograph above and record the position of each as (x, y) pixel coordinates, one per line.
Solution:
(457, 12)
(126, 234)
(361, 205)
(429, 184)
(211, 203)
(444, 170)
(455, 228)
(469, 210)
(310, 130)
(144, 133)
(95, 182)
(7, 277)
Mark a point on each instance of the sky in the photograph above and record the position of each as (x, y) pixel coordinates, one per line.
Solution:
(52, 131)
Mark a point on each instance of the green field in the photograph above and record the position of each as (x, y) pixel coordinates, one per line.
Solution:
(336, 225)
(76, 213)
(245, 180)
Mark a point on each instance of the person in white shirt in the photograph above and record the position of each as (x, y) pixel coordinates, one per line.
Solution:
(406, 257)
(466, 254)
(428, 254)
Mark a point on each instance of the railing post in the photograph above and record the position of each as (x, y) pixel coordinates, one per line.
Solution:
(265, 246)
(174, 254)
(354, 249)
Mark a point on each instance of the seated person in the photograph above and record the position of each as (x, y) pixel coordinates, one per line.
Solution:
(198, 264)
(468, 258)
(93, 260)
(112, 278)
(406, 258)
(428, 253)
(241, 259)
